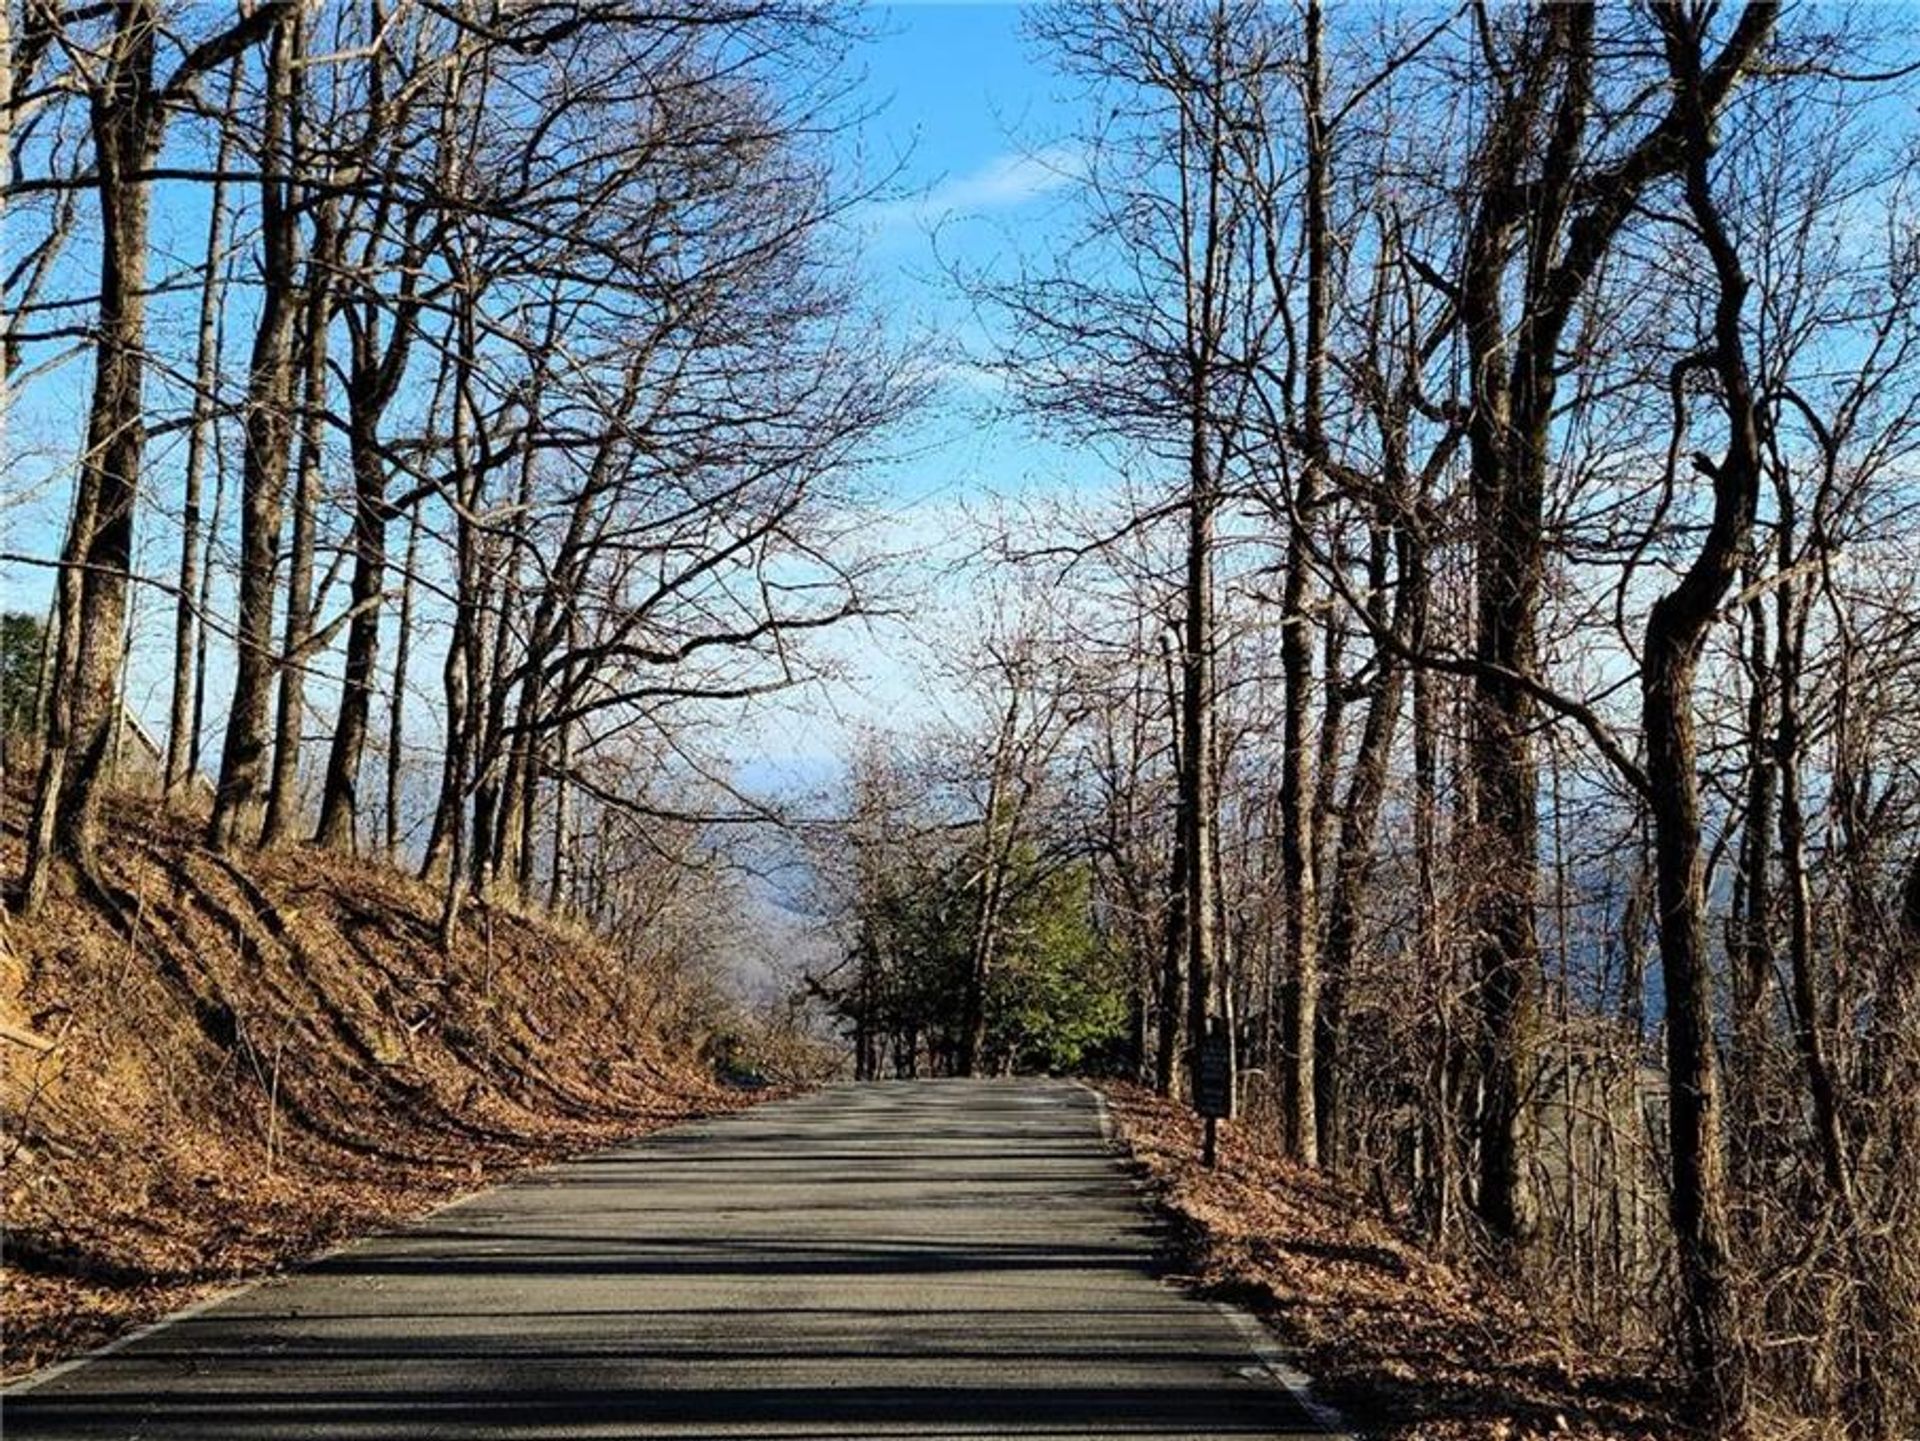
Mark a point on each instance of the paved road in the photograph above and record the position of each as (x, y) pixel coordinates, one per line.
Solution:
(927, 1259)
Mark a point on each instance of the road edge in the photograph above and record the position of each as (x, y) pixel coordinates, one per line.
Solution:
(1273, 1359)
(54, 1370)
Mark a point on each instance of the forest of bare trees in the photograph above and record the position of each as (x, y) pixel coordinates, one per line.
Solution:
(1491, 684)
(1489, 688)
(507, 342)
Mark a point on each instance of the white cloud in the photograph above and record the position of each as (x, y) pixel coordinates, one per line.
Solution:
(1006, 181)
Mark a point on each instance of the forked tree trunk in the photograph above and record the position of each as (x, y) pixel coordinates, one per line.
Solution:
(127, 112)
(1535, 176)
(83, 698)
(340, 790)
(1676, 631)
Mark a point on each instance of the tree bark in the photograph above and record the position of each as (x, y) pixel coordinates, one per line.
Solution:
(1199, 804)
(374, 377)
(1750, 939)
(1570, 217)
(1299, 869)
(1205, 201)
(83, 701)
(243, 758)
(1677, 627)
(1823, 1088)
(283, 796)
(1173, 937)
(182, 750)
(396, 700)
(1366, 792)
(1512, 380)
(560, 870)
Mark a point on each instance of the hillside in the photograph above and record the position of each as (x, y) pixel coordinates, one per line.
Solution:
(1412, 1345)
(225, 1065)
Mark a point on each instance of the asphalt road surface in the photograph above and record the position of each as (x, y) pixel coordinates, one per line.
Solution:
(926, 1259)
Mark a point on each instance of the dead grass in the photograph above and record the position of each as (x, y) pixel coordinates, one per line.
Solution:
(1410, 1347)
(256, 1061)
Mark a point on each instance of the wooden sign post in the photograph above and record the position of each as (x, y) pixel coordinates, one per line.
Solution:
(1213, 1085)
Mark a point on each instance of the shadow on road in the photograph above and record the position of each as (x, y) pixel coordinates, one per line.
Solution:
(929, 1259)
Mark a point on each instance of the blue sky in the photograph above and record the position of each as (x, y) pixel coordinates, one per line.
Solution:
(971, 127)
(981, 132)
(971, 118)
(964, 105)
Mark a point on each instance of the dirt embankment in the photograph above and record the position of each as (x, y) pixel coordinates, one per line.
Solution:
(252, 1060)
(1412, 1348)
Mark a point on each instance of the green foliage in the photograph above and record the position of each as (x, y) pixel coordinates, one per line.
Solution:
(1057, 997)
(21, 639)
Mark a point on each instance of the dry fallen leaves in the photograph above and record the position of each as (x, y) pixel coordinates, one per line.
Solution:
(259, 1060)
(1412, 1347)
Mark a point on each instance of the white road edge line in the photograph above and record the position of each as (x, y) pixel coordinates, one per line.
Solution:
(1100, 1110)
(33, 1380)
(1275, 1361)
(1273, 1358)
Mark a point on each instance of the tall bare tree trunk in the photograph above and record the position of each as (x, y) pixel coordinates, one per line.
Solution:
(1439, 1139)
(465, 660)
(1366, 791)
(297, 646)
(380, 333)
(214, 516)
(340, 789)
(1676, 631)
(1199, 805)
(1823, 1088)
(1750, 930)
(374, 377)
(1173, 939)
(243, 758)
(560, 872)
(182, 752)
(1507, 432)
(1298, 863)
(396, 701)
(1531, 186)
(1206, 202)
(127, 112)
(986, 921)
(83, 699)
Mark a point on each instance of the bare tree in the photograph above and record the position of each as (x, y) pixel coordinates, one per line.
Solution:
(1676, 629)
(128, 107)
(239, 797)
(182, 751)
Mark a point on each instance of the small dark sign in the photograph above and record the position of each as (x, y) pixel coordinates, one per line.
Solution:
(1213, 1078)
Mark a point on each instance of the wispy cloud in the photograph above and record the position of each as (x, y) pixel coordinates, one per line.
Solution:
(1006, 181)
(964, 375)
